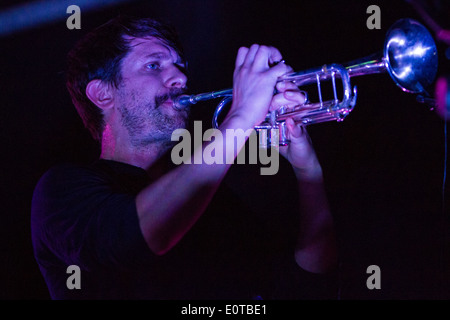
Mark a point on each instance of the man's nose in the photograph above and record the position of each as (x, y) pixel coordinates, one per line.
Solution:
(176, 78)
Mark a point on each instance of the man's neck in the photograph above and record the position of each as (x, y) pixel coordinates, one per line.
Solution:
(152, 158)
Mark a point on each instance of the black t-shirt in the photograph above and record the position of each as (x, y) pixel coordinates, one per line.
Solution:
(86, 216)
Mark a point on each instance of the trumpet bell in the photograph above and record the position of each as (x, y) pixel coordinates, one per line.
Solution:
(411, 56)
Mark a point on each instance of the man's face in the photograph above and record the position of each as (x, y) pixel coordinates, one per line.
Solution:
(152, 76)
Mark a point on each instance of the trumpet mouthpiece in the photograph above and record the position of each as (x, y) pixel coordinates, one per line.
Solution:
(182, 102)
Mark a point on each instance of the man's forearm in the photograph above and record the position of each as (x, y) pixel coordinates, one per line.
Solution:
(316, 249)
(169, 207)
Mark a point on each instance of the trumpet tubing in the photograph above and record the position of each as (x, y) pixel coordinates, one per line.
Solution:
(409, 56)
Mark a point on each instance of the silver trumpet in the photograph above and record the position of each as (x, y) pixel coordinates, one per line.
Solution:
(409, 56)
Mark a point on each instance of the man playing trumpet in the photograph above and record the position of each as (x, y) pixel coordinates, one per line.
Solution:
(139, 231)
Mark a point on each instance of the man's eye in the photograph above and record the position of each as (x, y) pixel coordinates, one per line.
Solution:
(153, 66)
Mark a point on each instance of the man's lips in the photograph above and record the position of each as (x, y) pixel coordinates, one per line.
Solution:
(171, 104)
(170, 98)
(163, 102)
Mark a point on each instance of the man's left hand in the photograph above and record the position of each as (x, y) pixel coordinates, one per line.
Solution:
(299, 152)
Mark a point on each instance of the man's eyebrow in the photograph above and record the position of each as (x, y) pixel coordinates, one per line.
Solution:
(158, 55)
(163, 56)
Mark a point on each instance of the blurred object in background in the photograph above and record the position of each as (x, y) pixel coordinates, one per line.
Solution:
(435, 14)
(442, 95)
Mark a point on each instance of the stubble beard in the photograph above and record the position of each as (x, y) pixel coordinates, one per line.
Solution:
(148, 125)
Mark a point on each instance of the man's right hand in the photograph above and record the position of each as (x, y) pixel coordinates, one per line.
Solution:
(255, 76)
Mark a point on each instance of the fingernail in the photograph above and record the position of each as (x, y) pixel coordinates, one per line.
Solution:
(289, 93)
(281, 84)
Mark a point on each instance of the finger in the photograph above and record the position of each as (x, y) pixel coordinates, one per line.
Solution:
(279, 100)
(296, 96)
(295, 131)
(250, 56)
(275, 56)
(240, 58)
(278, 70)
(287, 99)
(266, 57)
(286, 85)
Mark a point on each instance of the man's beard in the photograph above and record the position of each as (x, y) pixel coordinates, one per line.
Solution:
(148, 125)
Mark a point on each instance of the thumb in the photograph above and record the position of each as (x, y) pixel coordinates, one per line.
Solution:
(295, 131)
(280, 68)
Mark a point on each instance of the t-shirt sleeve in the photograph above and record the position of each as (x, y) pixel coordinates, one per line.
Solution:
(80, 219)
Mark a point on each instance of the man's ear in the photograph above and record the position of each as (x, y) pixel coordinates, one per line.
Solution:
(100, 93)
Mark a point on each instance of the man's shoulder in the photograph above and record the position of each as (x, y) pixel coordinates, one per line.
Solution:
(95, 176)
(65, 171)
(66, 176)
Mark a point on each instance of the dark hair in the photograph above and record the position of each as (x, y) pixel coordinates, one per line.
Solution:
(99, 55)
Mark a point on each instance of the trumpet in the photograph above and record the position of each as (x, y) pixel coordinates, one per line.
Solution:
(409, 56)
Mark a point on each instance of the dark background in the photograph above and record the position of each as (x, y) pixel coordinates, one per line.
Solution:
(384, 165)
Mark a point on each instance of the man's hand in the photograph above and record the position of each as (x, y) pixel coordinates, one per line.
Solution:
(255, 76)
(300, 152)
(316, 249)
